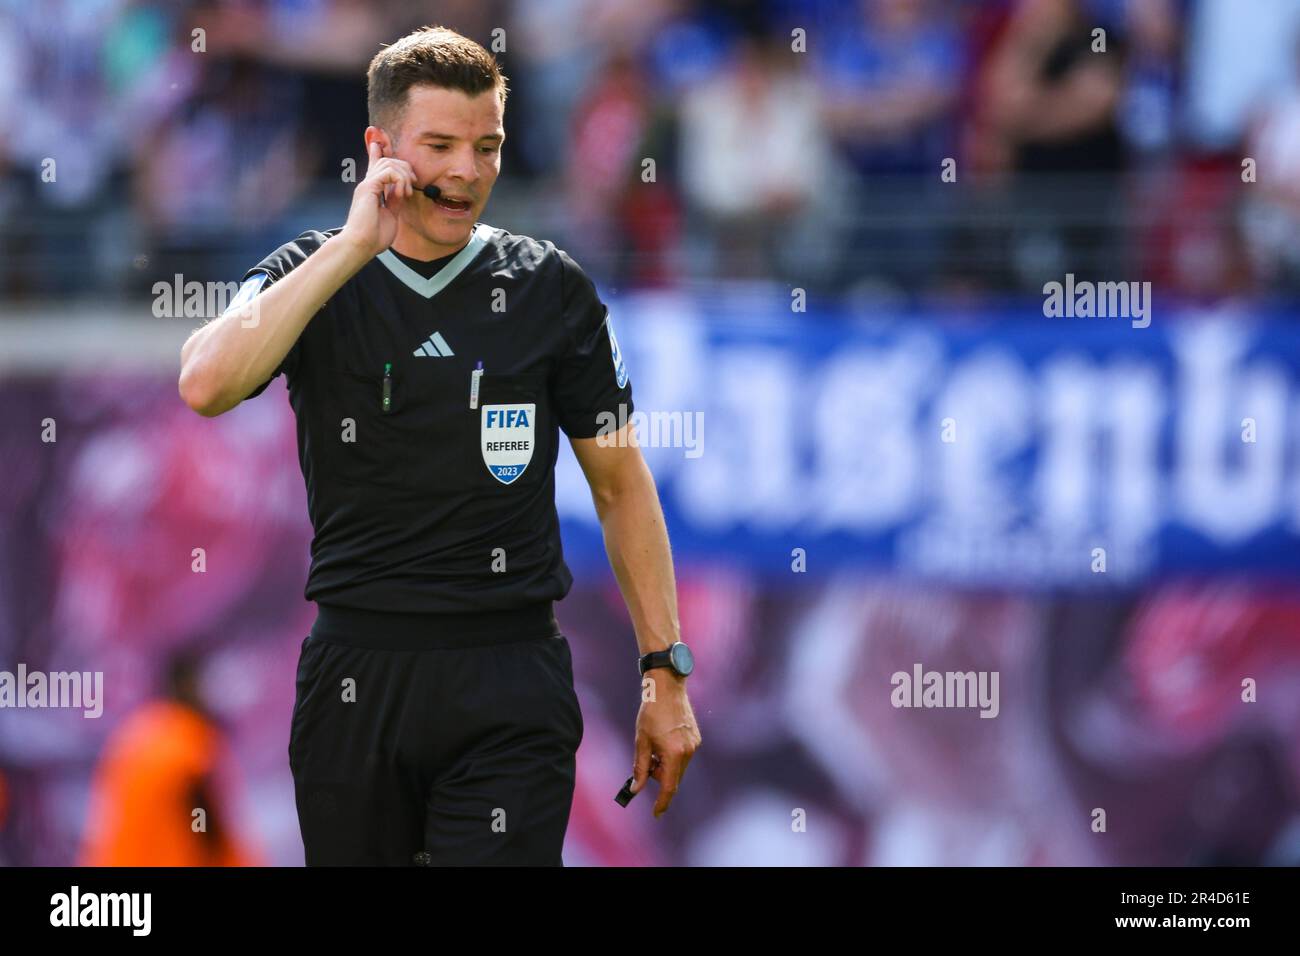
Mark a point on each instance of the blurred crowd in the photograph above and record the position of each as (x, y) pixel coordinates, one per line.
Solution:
(917, 147)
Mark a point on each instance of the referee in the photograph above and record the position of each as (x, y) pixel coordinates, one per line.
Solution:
(432, 361)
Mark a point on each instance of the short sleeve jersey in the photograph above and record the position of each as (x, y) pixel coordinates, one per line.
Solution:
(428, 416)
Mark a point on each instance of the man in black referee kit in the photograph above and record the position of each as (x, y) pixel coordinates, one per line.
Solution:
(431, 361)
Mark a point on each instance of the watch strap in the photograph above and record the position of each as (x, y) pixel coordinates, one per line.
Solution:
(654, 659)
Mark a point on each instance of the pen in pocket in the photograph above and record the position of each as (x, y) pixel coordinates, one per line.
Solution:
(388, 387)
(474, 376)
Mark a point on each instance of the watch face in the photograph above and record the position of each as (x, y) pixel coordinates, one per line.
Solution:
(683, 660)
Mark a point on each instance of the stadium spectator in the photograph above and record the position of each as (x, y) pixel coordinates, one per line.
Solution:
(1051, 92)
(889, 81)
(753, 156)
(615, 216)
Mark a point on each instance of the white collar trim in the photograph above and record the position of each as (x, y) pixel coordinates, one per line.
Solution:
(439, 280)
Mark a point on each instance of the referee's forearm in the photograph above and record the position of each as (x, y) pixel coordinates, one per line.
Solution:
(226, 359)
(636, 540)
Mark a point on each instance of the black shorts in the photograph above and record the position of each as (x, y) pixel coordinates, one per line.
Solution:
(458, 754)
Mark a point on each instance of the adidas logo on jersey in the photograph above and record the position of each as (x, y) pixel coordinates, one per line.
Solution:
(435, 346)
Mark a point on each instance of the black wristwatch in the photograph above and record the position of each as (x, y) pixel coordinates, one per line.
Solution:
(678, 657)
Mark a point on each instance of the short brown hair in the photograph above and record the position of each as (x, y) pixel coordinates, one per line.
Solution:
(435, 56)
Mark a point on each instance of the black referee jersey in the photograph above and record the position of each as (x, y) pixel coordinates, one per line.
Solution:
(428, 415)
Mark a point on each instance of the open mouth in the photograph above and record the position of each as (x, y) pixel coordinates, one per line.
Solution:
(453, 205)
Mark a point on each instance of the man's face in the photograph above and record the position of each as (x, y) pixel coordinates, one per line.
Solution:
(452, 141)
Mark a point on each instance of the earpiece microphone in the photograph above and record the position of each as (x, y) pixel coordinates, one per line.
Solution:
(432, 191)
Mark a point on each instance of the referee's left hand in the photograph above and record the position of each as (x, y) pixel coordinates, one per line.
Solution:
(666, 737)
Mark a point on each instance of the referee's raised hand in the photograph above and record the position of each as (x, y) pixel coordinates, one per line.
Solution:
(377, 201)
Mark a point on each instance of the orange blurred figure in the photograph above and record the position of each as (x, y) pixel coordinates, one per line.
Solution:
(157, 768)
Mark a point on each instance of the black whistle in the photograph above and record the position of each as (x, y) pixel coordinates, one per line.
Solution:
(625, 795)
